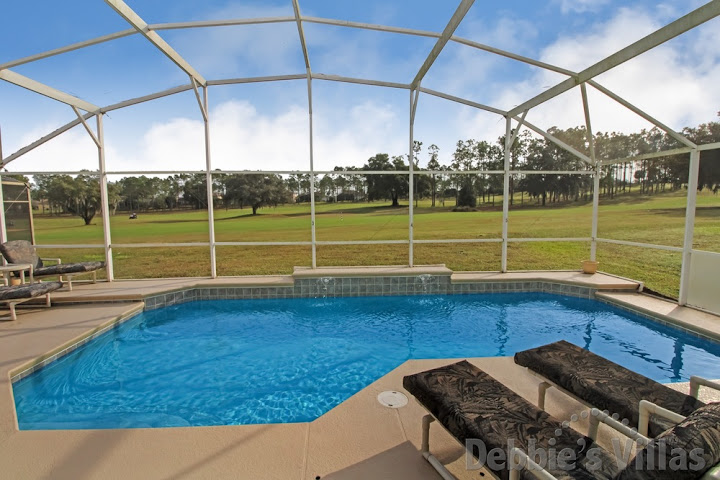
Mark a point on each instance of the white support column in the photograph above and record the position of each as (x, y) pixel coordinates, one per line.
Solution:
(411, 177)
(308, 71)
(208, 176)
(313, 237)
(104, 204)
(596, 177)
(3, 233)
(689, 225)
(506, 193)
(595, 212)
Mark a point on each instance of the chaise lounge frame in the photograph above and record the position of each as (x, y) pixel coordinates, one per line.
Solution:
(645, 407)
(644, 414)
(27, 254)
(12, 303)
(520, 460)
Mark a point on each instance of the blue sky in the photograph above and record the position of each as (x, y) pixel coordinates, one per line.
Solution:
(265, 126)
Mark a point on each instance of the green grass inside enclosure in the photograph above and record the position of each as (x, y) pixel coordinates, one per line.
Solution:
(657, 219)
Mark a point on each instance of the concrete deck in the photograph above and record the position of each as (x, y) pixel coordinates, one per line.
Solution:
(359, 439)
(689, 318)
(600, 281)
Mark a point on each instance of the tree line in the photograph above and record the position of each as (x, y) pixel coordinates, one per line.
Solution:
(80, 195)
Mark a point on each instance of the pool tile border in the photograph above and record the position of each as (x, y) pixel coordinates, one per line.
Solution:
(364, 287)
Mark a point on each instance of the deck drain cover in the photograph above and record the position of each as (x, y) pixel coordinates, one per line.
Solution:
(392, 399)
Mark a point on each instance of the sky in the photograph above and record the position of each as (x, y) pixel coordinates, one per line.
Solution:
(265, 126)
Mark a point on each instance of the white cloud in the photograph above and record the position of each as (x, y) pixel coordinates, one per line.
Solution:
(242, 138)
(70, 151)
(225, 52)
(579, 6)
(676, 82)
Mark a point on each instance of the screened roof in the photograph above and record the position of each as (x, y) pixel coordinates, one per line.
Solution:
(663, 61)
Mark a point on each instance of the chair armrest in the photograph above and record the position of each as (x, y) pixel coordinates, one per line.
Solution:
(648, 408)
(525, 462)
(57, 260)
(598, 416)
(696, 382)
(29, 268)
(712, 474)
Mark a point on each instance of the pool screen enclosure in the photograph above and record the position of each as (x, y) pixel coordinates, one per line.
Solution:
(515, 119)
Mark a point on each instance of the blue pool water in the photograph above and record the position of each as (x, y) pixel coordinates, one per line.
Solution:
(291, 360)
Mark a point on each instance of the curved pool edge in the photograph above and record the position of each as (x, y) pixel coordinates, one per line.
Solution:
(358, 437)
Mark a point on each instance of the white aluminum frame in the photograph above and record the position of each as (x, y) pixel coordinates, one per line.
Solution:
(197, 81)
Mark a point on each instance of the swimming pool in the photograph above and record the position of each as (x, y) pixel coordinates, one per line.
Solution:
(230, 362)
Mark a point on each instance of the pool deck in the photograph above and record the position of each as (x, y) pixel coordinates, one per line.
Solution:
(356, 440)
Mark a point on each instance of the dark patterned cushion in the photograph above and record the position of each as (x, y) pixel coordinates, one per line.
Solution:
(66, 268)
(28, 290)
(20, 251)
(473, 405)
(685, 451)
(604, 384)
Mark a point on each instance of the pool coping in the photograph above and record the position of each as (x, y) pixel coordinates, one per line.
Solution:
(355, 436)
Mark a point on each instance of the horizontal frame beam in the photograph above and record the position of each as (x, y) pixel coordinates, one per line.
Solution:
(47, 91)
(270, 78)
(550, 239)
(512, 56)
(372, 242)
(220, 23)
(146, 98)
(362, 81)
(256, 244)
(640, 244)
(68, 48)
(469, 103)
(648, 156)
(460, 240)
(158, 245)
(370, 26)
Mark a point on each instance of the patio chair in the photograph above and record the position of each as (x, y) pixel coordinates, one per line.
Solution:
(489, 419)
(22, 251)
(16, 294)
(597, 382)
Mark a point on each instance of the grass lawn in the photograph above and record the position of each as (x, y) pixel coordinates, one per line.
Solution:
(657, 219)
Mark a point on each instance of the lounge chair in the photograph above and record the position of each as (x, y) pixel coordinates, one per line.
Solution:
(488, 419)
(598, 382)
(22, 251)
(22, 293)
